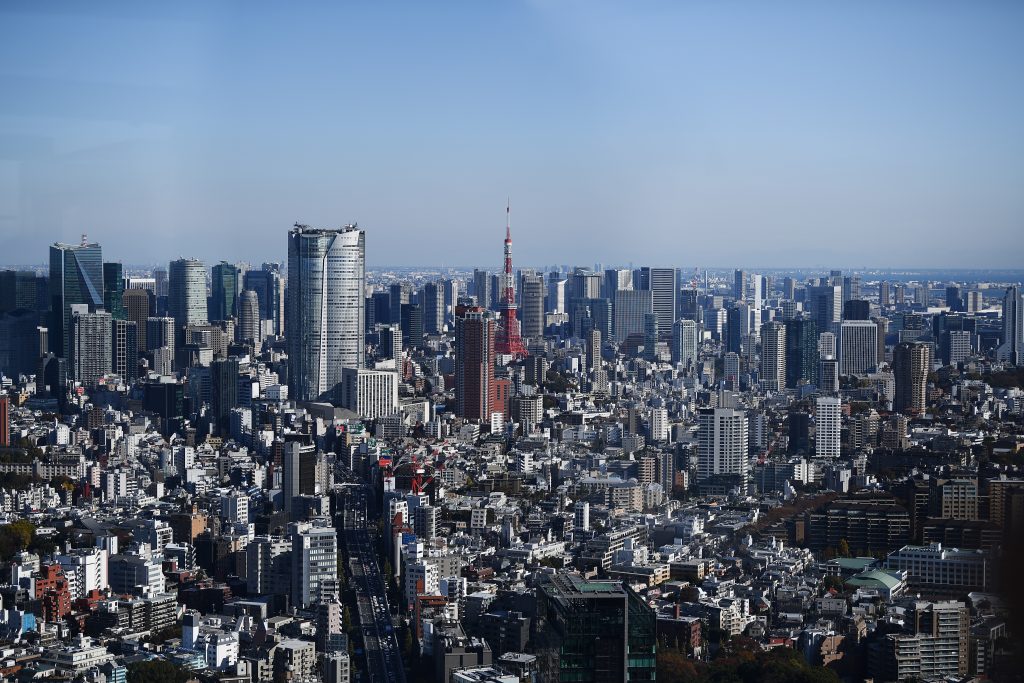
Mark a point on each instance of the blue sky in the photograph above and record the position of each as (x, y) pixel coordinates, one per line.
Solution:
(690, 133)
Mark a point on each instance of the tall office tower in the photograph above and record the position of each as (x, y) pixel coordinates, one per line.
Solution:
(22, 343)
(223, 291)
(381, 304)
(684, 342)
(827, 345)
(883, 325)
(474, 363)
(828, 424)
(89, 345)
(835, 277)
(615, 280)
(18, 291)
(801, 352)
(160, 333)
(662, 284)
(249, 328)
(883, 294)
(621, 649)
(269, 287)
(954, 298)
(5, 422)
(432, 303)
(755, 301)
(594, 342)
(689, 306)
(737, 323)
(651, 337)
(76, 277)
(533, 305)
(828, 374)
(973, 301)
(186, 298)
(136, 306)
(370, 393)
(391, 343)
(124, 348)
(851, 288)
(922, 295)
(412, 325)
(314, 561)
(482, 288)
(1012, 348)
(955, 346)
(825, 305)
(557, 287)
(631, 305)
(325, 312)
(789, 288)
(451, 295)
(731, 369)
(856, 309)
(591, 313)
(739, 287)
(224, 392)
(113, 290)
(858, 347)
(911, 363)
(584, 284)
(508, 339)
(400, 293)
(161, 282)
(900, 295)
(721, 443)
(773, 356)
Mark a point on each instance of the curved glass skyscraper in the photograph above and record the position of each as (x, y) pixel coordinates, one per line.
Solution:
(324, 309)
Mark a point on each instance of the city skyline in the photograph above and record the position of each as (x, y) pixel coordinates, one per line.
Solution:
(885, 137)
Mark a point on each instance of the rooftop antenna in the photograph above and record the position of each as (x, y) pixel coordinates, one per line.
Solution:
(85, 239)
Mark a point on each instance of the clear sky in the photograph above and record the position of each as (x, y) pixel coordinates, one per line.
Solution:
(689, 133)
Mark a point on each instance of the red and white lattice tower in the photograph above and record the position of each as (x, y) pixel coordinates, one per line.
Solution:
(508, 341)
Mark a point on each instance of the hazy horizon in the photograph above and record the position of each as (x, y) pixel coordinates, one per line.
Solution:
(884, 135)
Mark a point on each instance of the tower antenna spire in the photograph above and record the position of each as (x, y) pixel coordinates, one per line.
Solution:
(508, 218)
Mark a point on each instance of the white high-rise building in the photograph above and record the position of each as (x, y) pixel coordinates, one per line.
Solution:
(314, 561)
(858, 347)
(722, 443)
(659, 424)
(1012, 348)
(581, 515)
(827, 425)
(325, 311)
(369, 393)
(773, 356)
(684, 342)
(826, 345)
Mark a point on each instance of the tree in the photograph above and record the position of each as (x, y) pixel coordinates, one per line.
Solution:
(844, 548)
(674, 667)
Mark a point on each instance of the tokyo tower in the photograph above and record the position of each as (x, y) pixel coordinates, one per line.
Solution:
(508, 341)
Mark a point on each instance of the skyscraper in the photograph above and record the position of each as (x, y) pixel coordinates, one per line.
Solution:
(773, 356)
(223, 291)
(125, 349)
(801, 352)
(630, 308)
(249, 328)
(739, 287)
(911, 363)
(827, 426)
(89, 345)
(721, 443)
(662, 284)
(858, 347)
(113, 290)
(684, 342)
(325, 311)
(224, 392)
(186, 298)
(474, 363)
(1012, 348)
(136, 305)
(825, 304)
(533, 305)
(314, 561)
(269, 287)
(651, 337)
(482, 289)
(508, 339)
(432, 303)
(76, 277)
